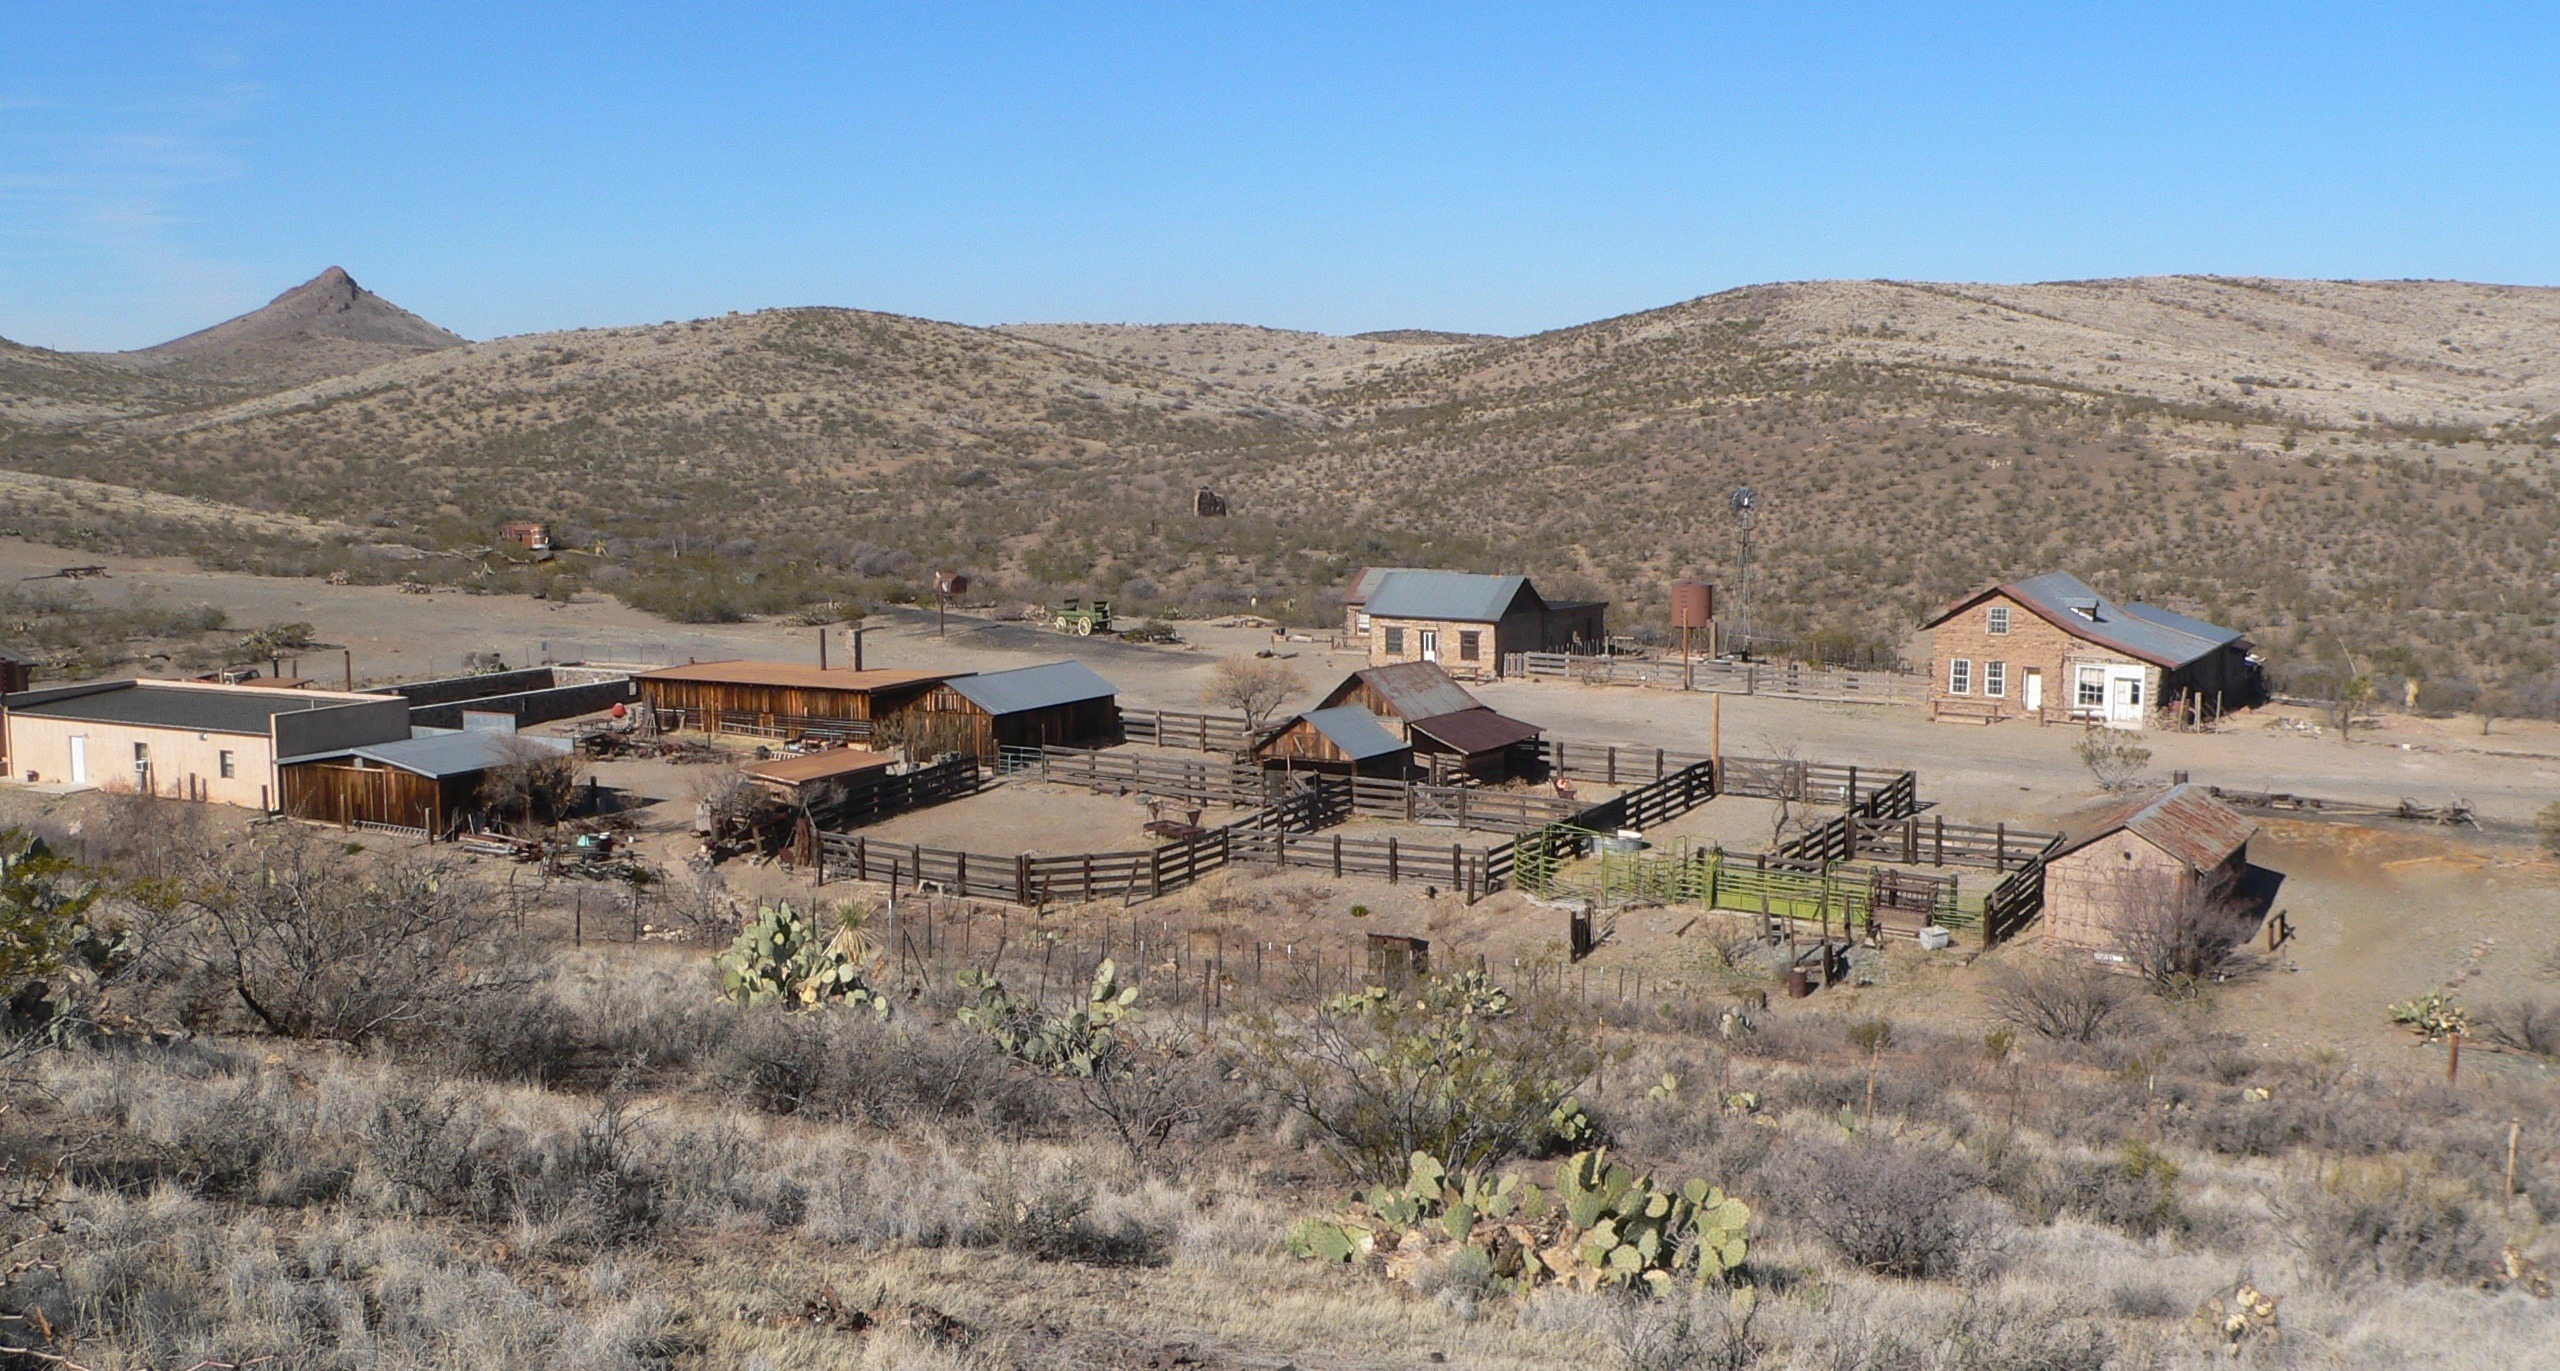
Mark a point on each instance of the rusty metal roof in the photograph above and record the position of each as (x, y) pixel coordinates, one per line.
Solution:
(2185, 821)
(794, 675)
(820, 766)
(1410, 690)
(1476, 730)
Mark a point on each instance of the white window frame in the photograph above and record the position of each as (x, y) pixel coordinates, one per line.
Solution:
(1395, 641)
(2086, 680)
(1996, 621)
(1960, 676)
(1995, 680)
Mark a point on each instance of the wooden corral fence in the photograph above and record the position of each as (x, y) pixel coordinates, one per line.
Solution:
(1915, 840)
(1471, 873)
(1201, 732)
(1783, 679)
(2013, 903)
(1233, 784)
(1457, 806)
(876, 795)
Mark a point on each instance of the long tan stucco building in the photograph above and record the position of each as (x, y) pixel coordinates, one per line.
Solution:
(184, 739)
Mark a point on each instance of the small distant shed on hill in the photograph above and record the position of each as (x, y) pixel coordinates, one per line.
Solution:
(425, 785)
(1345, 740)
(1056, 704)
(2134, 865)
(16, 672)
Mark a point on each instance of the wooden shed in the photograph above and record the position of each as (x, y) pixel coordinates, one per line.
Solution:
(1450, 729)
(1057, 704)
(424, 785)
(2139, 862)
(1345, 740)
(782, 699)
(16, 672)
(819, 778)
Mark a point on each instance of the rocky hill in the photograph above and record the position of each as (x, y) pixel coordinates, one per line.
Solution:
(2358, 472)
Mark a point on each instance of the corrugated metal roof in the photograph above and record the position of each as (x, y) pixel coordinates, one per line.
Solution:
(819, 766)
(1476, 730)
(792, 675)
(14, 658)
(1353, 729)
(168, 704)
(2185, 821)
(2164, 638)
(448, 754)
(1366, 584)
(1033, 687)
(1460, 595)
(1411, 690)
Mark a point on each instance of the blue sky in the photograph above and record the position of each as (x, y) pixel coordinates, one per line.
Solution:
(508, 168)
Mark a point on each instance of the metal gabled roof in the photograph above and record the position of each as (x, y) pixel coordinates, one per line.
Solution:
(1366, 584)
(1411, 690)
(1355, 730)
(440, 755)
(2162, 637)
(2185, 821)
(1476, 730)
(1033, 687)
(1459, 595)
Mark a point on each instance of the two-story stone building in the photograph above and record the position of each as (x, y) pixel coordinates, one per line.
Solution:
(2052, 649)
(1467, 622)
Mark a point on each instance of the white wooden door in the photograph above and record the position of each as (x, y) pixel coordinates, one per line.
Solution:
(1431, 645)
(2124, 696)
(79, 759)
(2035, 692)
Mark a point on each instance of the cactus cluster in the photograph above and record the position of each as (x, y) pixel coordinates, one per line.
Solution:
(2434, 1015)
(782, 958)
(1083, 1042)
(1603, 1224)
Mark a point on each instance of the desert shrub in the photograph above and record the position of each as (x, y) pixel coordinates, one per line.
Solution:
(514, 1033)
(1891, 1208)
(2180, 936)
(314, 946)
(2525, 1024)
(2390, 1219)
(845, 1065)
(1055, 1217)
(2063, 1000)
(1451, 1067)
(2114, 759)
(533, 786)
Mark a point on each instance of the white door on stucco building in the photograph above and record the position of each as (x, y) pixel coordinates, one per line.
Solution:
(80, 759)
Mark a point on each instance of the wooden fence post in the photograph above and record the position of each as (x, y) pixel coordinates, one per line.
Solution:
(1022, 878)
(1391, 859)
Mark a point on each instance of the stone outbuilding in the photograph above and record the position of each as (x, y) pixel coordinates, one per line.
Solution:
(1466, 623)
(2141, 861)
(2050, 648)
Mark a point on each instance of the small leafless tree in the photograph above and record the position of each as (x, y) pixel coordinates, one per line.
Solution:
(316, 945)
(2180, 933)
(534, 786)
(2066, 1001)
(1255, 687)
(2114, 759)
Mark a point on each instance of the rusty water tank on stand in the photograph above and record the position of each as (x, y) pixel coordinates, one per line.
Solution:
(1693, 604)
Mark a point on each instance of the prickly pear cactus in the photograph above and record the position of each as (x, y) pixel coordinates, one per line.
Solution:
(782, 958)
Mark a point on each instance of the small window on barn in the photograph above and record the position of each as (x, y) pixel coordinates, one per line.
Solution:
(1960, 676)
(1998, 619)
(1467, 641)
(229, 770)
(1995, 679)
(1395, 642)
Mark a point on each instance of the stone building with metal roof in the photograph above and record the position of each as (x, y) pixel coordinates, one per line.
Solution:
(1466, 622)
(2052, 649)
(2134, 871)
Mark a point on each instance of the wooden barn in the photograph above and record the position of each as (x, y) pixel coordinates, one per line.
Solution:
(2050, 648)
(782, 699)
(1467, 623)
(1345, 740)
(425, 785)
(2138, 863)
(1058, 704)
(1451, 731)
